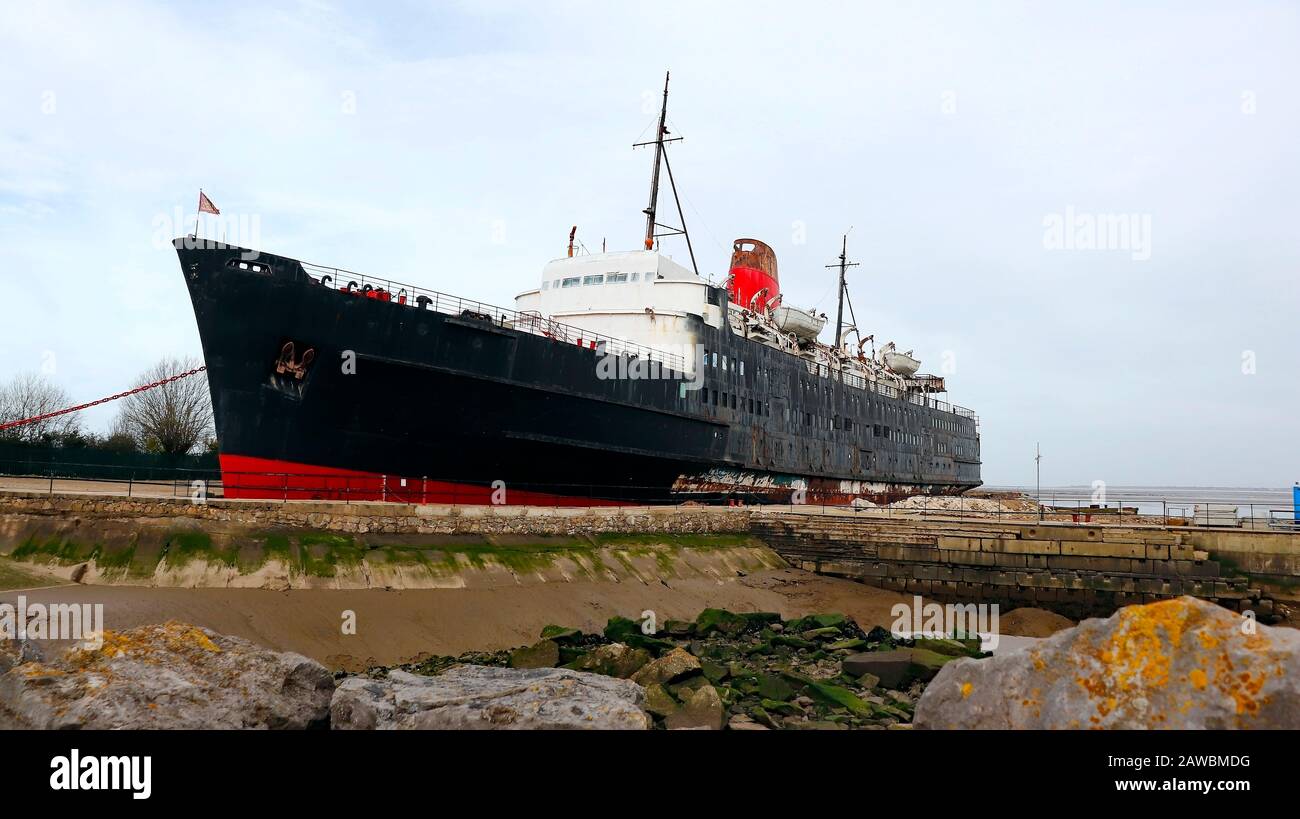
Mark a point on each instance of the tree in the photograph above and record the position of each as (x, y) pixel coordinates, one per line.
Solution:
(120, 438)
(173, 418)
(29, 395)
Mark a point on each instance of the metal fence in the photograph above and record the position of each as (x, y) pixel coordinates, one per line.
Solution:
(100, 464)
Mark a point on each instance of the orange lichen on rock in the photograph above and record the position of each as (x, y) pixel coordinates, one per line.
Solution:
(34, 671)
(145, 644)
(1183, 663)
(1138, 654)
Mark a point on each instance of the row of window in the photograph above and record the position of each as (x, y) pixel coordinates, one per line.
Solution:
(735, 402)
(946, 425)
(760, 407)
(726, 366)
(594, 279)
(887, 409)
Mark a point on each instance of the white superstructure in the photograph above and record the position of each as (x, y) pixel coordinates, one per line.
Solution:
(641, 296)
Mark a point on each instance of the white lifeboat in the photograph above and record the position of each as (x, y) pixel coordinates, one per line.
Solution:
(805, 324)
(902, 363)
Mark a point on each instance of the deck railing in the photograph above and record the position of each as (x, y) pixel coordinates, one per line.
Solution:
(359, 285)
(890, 391)
(351, 282)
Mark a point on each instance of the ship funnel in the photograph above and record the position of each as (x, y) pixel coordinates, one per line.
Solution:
(753, 281)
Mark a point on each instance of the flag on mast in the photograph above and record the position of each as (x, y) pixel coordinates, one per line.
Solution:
(205, 206)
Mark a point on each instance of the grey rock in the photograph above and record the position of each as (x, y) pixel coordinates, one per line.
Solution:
(658, 701)
(743, 722)
(167, 676)
(1183, 663)
(30, 651)
(482, 697)
(890, 668)
(545, 654)
(614, 660)
(672, 666)
(701, 709)
(896, 668)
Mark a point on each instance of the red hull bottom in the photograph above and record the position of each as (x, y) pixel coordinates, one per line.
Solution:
(247, 478)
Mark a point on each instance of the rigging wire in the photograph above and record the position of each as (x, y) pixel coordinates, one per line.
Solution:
(142, 388)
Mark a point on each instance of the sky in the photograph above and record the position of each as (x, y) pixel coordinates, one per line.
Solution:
(1082, 215)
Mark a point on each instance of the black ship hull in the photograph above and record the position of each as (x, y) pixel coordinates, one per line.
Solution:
(400, 402)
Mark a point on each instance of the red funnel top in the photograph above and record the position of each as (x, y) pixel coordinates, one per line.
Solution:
(753, 282)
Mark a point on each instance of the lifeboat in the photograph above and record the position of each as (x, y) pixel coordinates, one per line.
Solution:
(902, 363)
(805, 324)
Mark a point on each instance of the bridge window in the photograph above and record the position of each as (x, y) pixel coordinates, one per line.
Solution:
(571, 282)
(615, 278)
(598, 278)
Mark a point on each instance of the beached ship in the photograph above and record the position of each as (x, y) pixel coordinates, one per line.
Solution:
(623, 377)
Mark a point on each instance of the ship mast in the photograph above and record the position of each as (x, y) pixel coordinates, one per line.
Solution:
(652, 210)
(844, 264)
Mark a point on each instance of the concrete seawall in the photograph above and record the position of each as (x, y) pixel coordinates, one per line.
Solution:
(1078, 570)
(233, 544)
(1075, 569)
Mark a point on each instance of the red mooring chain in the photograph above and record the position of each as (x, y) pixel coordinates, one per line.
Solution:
(79, 407)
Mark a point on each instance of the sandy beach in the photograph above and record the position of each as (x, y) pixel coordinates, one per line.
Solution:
(393, 626)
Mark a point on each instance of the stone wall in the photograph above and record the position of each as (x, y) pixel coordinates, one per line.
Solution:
(1271, 555)
(395, 518)
(1076, 570)
(236, 544)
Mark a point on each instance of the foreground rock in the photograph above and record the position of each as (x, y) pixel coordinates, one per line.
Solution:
(1182, 663)
(468, 696)
(897, 668)
(739, 670)
(165, 676)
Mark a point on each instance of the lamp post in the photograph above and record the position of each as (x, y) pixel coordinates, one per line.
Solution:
(1038, 479)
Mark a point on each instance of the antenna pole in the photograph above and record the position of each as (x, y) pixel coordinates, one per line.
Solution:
(652, 210)
(1038, 479)
(654, 176)
(844, 264)
(839, 309)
